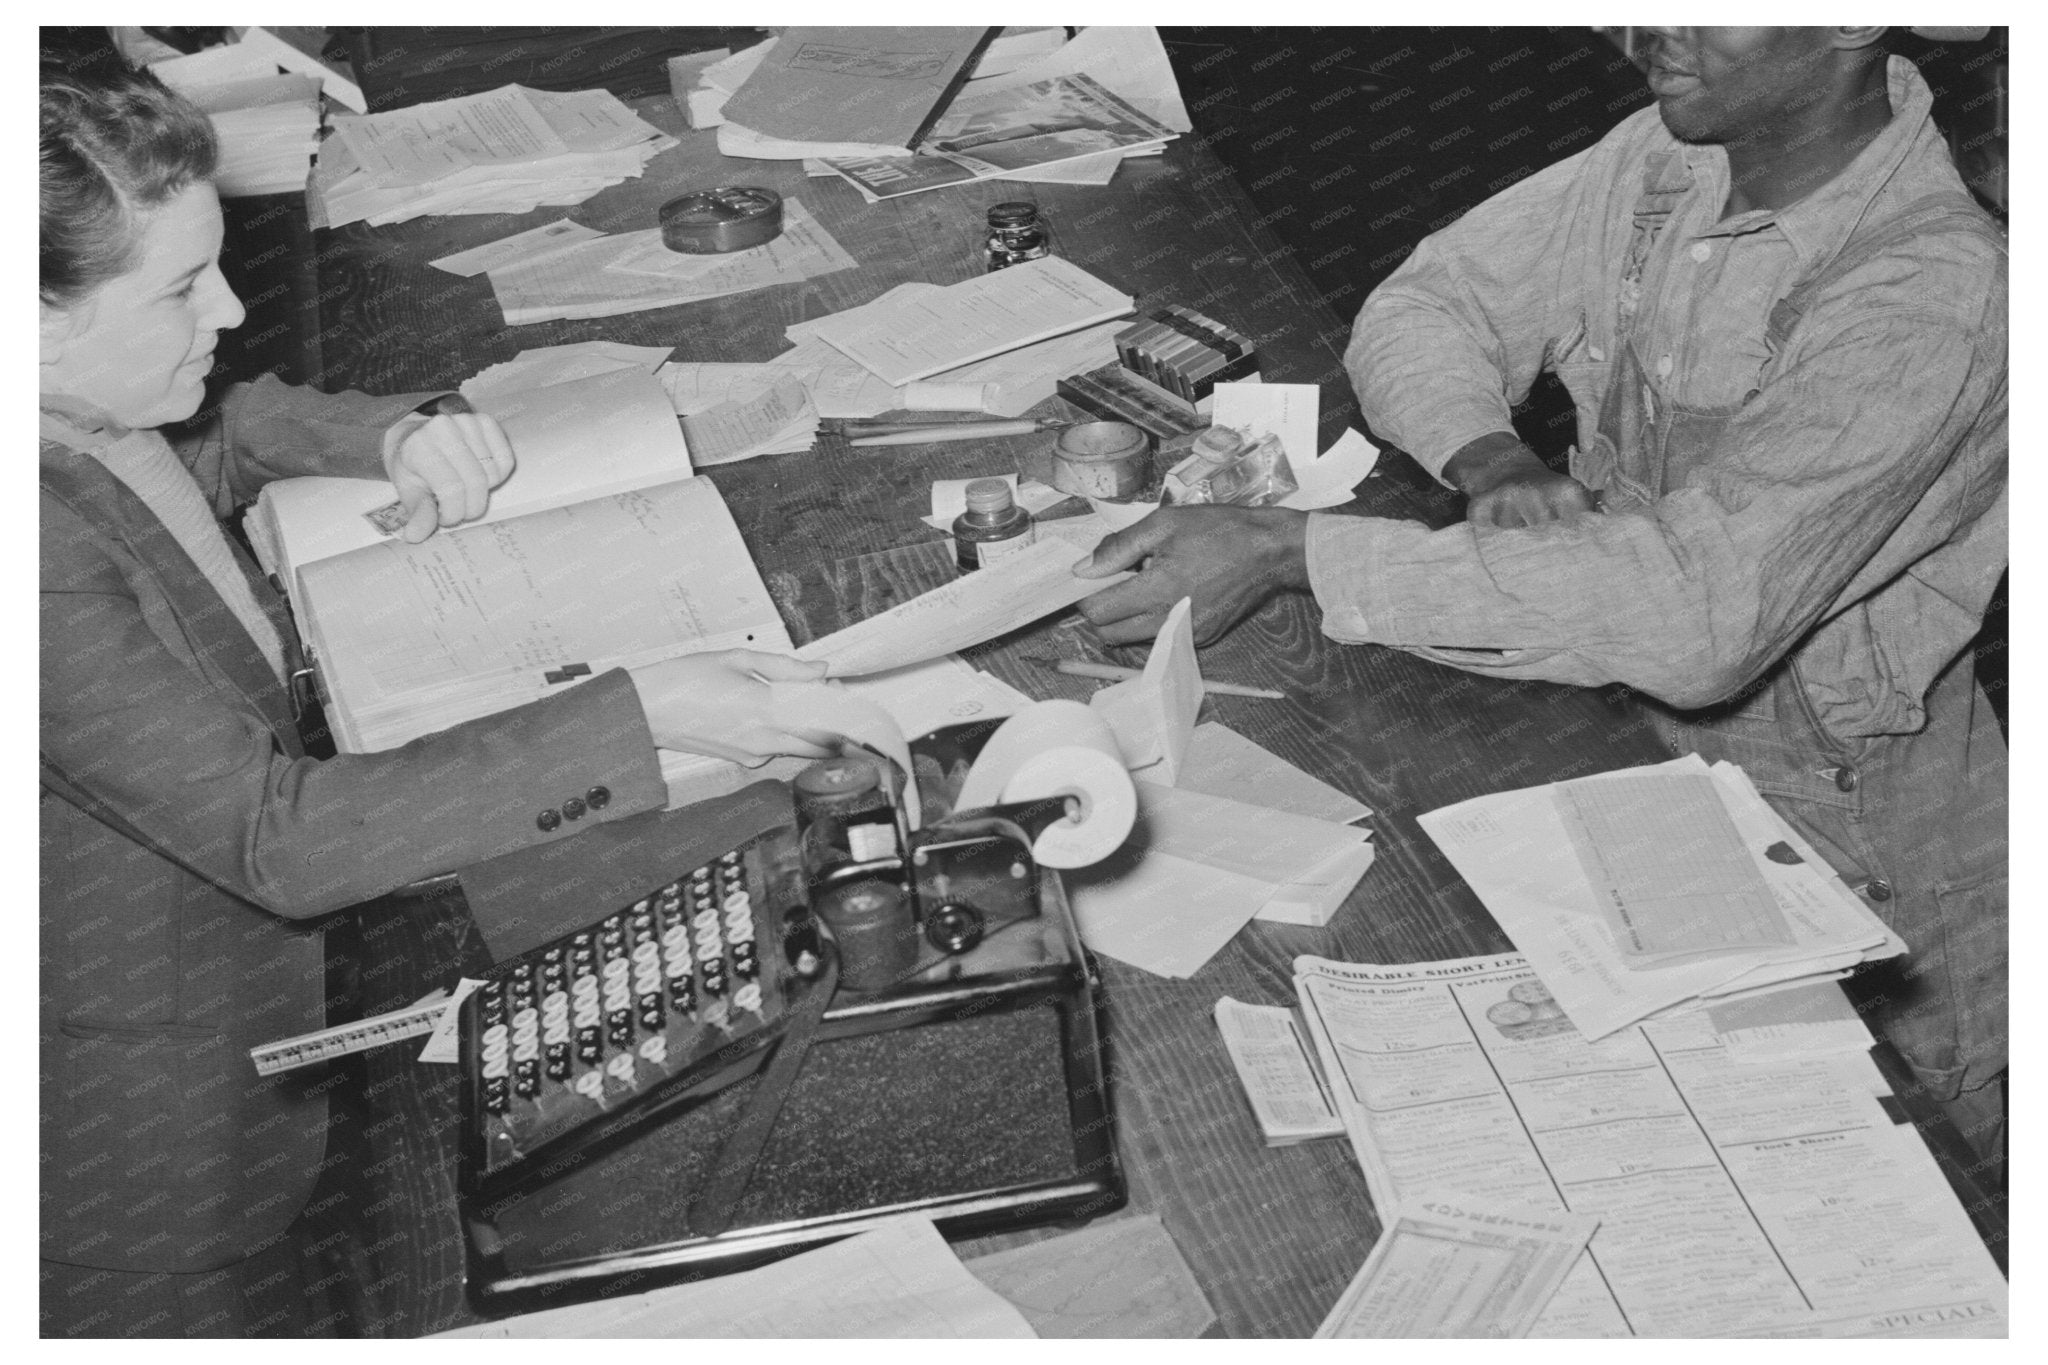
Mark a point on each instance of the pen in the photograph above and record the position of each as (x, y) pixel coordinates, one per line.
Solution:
(908, 435)
(1081, 668)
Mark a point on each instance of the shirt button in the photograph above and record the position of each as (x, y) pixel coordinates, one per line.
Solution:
(1664, 366)
(598, 797)
(572, 809)
(1878, 889)
(549, 820)
(1845, 778)
(1700, 251)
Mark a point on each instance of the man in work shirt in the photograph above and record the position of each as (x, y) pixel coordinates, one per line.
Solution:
(1782, 320)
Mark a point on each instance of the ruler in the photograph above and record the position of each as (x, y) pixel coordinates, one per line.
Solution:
(287, 1054)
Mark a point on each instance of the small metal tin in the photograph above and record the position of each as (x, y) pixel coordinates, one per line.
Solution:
(1102, 460)
(727, 218)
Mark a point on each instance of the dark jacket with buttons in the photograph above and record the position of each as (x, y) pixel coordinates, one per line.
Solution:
(186, 837)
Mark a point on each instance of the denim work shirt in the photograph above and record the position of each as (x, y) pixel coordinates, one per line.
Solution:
(1850, 512)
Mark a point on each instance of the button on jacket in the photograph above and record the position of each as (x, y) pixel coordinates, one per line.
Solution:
(1797, 421)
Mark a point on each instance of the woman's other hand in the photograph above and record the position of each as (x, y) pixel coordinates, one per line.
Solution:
(718, 704)
(445, 467)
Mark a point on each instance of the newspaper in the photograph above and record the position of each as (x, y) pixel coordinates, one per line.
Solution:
(1763, 1197)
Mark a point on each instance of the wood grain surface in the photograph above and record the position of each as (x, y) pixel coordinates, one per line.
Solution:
(1272, 1235)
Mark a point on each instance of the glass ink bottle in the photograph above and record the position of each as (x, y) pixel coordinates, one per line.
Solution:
(992, 526)
(1015, 235)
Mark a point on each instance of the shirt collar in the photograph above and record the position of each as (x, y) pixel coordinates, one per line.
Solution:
(1816, 225)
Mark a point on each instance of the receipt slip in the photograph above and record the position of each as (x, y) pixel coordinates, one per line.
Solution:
(1446, 1267)
(1288, 1094)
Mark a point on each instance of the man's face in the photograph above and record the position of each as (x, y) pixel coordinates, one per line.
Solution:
(1724, 84)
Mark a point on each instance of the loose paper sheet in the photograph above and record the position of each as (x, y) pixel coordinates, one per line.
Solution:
(577, 282)
(520, 246)
(1446, 1267)
(1330, 480)
(424, 142)
(1121, 1279)
(1222, 762)
(899, 1280)
(1153, 714)
(503, 385)
(1289, 411)
(906, 336)
(1669, 868)
(1011, 593)
(1193, 872)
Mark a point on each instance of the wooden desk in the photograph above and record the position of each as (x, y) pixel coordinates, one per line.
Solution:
(1272, 1236)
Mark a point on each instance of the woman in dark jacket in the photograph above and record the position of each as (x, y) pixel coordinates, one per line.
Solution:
(186, 836)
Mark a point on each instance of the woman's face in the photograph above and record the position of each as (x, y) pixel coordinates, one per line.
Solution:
(136, 351)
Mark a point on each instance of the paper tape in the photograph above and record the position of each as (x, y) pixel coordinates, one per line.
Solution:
(822, 708)
(1059, 748)
(727, 218)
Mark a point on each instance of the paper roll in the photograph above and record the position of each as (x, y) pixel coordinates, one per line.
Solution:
(831, 710)
(1058, 748)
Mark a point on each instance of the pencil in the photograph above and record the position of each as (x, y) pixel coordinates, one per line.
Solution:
(1081, 668)
(965, 431)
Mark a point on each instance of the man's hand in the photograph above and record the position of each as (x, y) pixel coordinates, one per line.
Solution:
(444, 469)
(1505, 484)
(1228, 559)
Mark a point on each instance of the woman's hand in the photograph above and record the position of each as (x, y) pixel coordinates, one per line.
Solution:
(444, 468)
(717, 704)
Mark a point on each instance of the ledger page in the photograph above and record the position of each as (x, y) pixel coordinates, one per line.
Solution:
(1772, 1197)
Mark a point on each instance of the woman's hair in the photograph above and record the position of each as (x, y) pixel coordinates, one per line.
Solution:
(116, 143)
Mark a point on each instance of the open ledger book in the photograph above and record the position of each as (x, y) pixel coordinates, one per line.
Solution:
(576, 440)
(600, 551)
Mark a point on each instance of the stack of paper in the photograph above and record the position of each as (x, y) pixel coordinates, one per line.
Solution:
(919, 332)
(1199, 867)
(702, 82)
(1652, 889)
(780, 421)
(1276, 1065)
(631, 272)
(508, 150)
(848, 91)
(838, 385)
(299, 50)
(268, 124)
(702, 87)
(269, 128)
